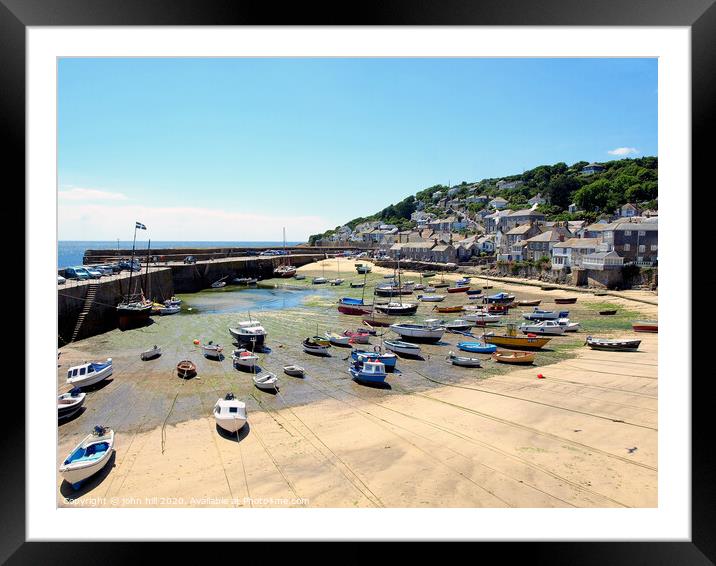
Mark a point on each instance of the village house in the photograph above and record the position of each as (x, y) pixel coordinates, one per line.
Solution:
(495, 221)
(603, 261)
(514, 241)
(518, 217)
(570, 252)
(628, 210)
(572, 208)
(593, 168)
(498, 203)
(542, 244)
(536, 200)
(636, 242)
(509, 184)
(444, 253)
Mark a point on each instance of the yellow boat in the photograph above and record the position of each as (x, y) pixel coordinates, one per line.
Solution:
(449, 309)
(512, 340)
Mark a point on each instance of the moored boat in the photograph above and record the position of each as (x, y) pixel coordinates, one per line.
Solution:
(457, 308)
(363, 268)
(566, 301)
(458, 289)
(242, 358)
(403, 348)
(538, 314)
(500, 298)
(369, 371)
(477, 347)
(528, 303)
(613, 345)
(464, 361)
(88, 457)
(514, 357)
(474, 291)
(357, 336)
(294, 371)
(319, 280)
(608, 312)
(88, 374)
(398, 309)
(172, 309)
(568, 325)
(313, 347)
(348, 305)
(512, 340)
(389, 359)
(153, 352)
(645, 326)
(266, 381)
(548, 327)
(211, 350)
(249, 332)
(69, 403)
(357, 285)
(431, 298)
(186, 369)
(431, 331)
(338, 339)
(381, 321)
(459, 325)
(230, 413)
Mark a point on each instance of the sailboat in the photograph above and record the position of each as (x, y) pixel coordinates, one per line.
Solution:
(133, 312)
(348, 305)
(321, 280)
(285, 269)
(398, 308)
(337, 280)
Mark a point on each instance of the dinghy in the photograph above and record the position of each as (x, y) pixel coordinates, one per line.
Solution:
(230, 413)
(363, 268)
(266, 381)
(242, 358)
(458, 289)
(432, 331)
(150, 354)
(613, 345)
(299, 277)
(173, 309)
(474, 291)
(457, 308)
(459, 325)
(186, 369)
(388, 359)
(212, 350)
(566, 301)
(404, 348)
(357, 285)
(549, 327)
(514, 357)
(464, 361)
(357, 337)
(311, 347)
(608, 312)
(294, 371)
(88, 457)
(477, 347)
(645, 326)
(337, 281)
(89, 373)
(368, 371)
(319, 280)
(173, 301)
(338, 339)
(530, 303)
(431, 298)
(348, 305)
(69, 403)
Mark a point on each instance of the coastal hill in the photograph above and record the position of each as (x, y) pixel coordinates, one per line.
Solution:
(581, 191)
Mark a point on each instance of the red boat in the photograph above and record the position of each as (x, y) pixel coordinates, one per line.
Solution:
(353, 306)
(461, 289)
(645, 326)
(499, 309)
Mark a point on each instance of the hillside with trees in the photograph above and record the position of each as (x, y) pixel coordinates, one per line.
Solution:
(622, 181)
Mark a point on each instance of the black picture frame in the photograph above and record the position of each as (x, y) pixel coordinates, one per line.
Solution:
(699, 15)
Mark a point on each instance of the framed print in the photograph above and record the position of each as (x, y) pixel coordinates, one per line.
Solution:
(395, 279)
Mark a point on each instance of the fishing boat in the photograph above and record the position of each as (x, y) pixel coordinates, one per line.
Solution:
(645, 326)
(242, 358)
(294, 371)
(464, 361)
(548, 327)
(458, 308)
(568, 325)
(230, 413)
(379, 321)
(389, 359)
(566, 301)
(69, 403)
(211, 350)
(266, 381)
(403, 348)
(363, 268)
(249, 332)
(338, 339)
(321, 340)
(133, 311)
(458, 325)
(431, 331)
(458, 289)
(528, 303)
(613, 345)
(429, 290)
(431, 298)
(608, 312)
(500, 298)
(512, 340)
(538, 314)
(88, 374)
(88, 457)
(358, 336)
(369, 371)
(398, 309)
(474, 291)
(514, 357)
(186, 369)
(477, 347)
(312, 347)
(173, 309)
(348, 305)
(153, 352)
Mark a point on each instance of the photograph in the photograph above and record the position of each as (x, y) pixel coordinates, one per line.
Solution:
(358, 282)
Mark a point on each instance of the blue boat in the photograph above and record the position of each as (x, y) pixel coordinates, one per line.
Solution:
(368, 372)
(388, 359)
(474, 291)
(500, 298)
(477, 347)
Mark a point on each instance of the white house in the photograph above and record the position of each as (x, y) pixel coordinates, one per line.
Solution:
(498, 203)
(570, 252)
(602, 261)
(536, 200)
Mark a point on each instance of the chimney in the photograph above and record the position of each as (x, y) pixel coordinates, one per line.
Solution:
(561, 237)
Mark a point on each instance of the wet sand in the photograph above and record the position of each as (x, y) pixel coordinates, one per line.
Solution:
(439, 436)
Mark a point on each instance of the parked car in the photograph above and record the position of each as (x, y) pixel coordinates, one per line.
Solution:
(94, 272)
(60, 280)
(190, 259)
(125, 264)
(104, 269)
(77, 273)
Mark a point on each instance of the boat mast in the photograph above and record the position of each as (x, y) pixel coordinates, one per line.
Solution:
(400, 284)
(146, 273)
(131, 263)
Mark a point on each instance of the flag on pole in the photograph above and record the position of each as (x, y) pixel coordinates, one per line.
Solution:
(140, 226)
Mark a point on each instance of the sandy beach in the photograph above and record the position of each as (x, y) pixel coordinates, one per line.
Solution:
(583, 435)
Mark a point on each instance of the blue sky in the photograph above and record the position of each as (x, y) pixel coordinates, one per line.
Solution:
(235, 149)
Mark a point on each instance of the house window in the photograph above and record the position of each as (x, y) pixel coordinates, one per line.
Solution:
(627, 247)
(642, 233)
(653, 247)
(642, 248)
(627, 232)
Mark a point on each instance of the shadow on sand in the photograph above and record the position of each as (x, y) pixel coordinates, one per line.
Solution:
(72, 417)
(237, 436)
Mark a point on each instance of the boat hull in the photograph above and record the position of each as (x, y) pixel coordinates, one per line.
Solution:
(615, 345)
(645, 327)
(517, 342)
(77, 472)
(398, 311)
(476, 347)
(230, 424)
(367, 378)
(248, 339)
(132, 318)
(91, 379)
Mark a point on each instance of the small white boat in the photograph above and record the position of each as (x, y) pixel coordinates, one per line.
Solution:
(172, 309)
(244, 358)
(568, 325)
(319, 280)
(338, 339)
(212, 350)
(299, 277)
(430, 289)
(464, 361)
(266, 381)
(431, 298)
(88, 457)
(69, 403)
(549, 327)
(312, 347)
(481, 317)
(459, 324)
(405, 348)
(294, 371)
(150, 354)
(430, 331)
(249, 332)
(89, 373)
(337, 281)
(230, 413)
(173, 301)
(218, 284)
